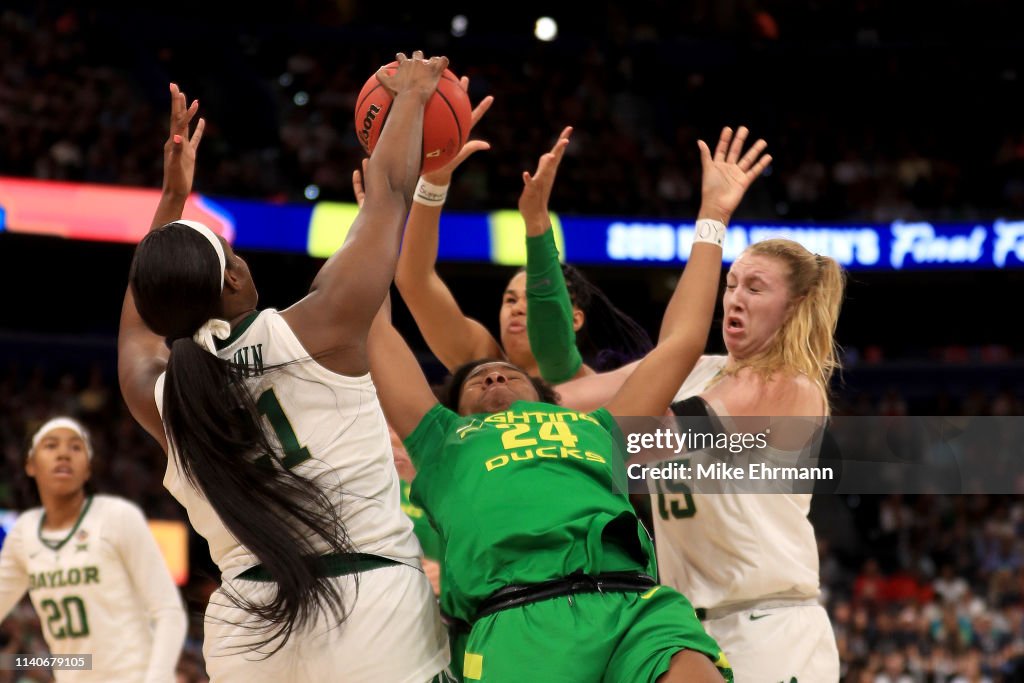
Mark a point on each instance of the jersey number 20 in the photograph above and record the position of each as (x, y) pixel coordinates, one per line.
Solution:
(66, 619)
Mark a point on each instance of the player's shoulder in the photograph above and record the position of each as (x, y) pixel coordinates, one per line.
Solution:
(780, 394)
(115, 506)
(26, 523)
(797, 390)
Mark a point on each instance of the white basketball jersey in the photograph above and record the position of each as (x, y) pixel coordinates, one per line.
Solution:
(87, 600)
(330, 429)
(725, 548)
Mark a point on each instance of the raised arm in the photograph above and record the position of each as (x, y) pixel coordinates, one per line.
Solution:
(451, 336)
(333, 320)
(651, 387)
(549, 310)
(404, 392)
(142, 354)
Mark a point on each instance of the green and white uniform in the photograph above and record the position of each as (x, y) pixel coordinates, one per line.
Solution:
(100, 587)
(525, 496)
(750, 560)
(331, 430)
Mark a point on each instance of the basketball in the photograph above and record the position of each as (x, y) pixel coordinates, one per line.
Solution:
(446, 118)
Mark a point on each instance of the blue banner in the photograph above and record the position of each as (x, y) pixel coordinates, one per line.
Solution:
(100, 212)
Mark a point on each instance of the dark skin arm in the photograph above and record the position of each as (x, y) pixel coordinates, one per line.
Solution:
(333, 320)
(403, 390)
(142, 354)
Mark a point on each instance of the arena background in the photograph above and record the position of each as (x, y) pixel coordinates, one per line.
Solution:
(873, 114)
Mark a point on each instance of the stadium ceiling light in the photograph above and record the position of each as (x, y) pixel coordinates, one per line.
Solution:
(546, 29)
(459, 25)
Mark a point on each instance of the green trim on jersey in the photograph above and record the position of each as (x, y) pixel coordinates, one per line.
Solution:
(57, 545)
(239, 330)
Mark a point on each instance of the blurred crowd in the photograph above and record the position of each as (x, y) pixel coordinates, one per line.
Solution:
(856, 112)
(857, 101)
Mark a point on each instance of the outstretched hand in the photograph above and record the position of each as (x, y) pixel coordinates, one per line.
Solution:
(727, 175)
(533, 202)
(418, 75)
(443, 175)
(180, 148)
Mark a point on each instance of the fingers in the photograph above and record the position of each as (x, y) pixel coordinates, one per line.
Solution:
(357, 187)
(174, 103)
(464, 82)
(472, 147)
(558, 151)
(737, 145)
(438, 63)
(527, 178)
(480, 109)
(759, 167)
(417, 54)
(197, 135)
(729, 148)
(752, 154)
(400, 57)
(723, 144)
(705, 153)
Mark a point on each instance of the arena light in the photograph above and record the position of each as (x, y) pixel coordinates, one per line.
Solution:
(311, 192)
(459, 25)
(546, 29)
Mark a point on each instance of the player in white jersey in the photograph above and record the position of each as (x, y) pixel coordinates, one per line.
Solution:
(749, 562)
(92, 569)
(276, 444)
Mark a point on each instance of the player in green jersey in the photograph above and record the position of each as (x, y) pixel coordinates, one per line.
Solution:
(546, 561)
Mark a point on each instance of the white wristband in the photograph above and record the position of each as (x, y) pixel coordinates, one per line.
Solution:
(710, 231)
(430, 194)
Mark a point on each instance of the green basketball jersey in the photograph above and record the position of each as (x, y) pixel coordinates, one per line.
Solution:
(428, 538)
(524, 496)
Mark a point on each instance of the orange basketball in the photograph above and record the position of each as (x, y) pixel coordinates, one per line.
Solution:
(445, 119)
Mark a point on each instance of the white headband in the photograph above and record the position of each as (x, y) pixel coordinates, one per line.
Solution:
(62, 423)
(213, 327)
(212, 239)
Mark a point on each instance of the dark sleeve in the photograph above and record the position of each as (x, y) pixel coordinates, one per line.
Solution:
(830, 456)
(549, 311)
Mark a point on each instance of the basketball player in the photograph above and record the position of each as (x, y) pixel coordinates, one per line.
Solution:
(549, 564)
(749, 562)
(562, 300)
(91, 568)
(276, 443)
